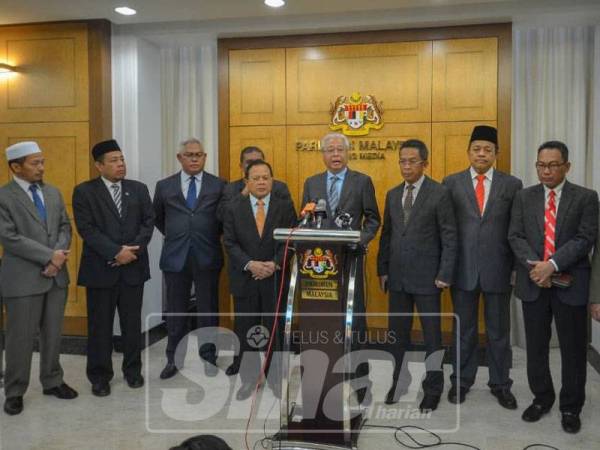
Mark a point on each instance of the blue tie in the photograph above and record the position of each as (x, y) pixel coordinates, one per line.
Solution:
(334, 197)
(191, 193)
(37, 201)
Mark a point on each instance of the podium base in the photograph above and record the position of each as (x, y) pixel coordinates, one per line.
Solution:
(307, 435)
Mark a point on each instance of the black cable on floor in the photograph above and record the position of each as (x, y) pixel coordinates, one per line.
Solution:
(415, 443)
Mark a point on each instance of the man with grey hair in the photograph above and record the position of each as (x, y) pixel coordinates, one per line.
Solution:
(186, 214)
(347, 191)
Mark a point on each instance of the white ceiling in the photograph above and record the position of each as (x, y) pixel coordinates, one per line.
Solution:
(149, 11)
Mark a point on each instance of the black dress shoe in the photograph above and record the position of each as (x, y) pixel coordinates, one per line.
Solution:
(245, 391)
(64, 391)
(101, 389)
(505, 398)
(210, 368)
(457, 395)
(570, 422)
(135, 382)
(429, 403)
(234, 368)
(13, 405)
(169, 371)
(534, 412)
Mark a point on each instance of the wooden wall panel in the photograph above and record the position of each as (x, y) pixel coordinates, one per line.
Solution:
(271, 140)
(399, 74)
(65, 148)
(257, 83)
(51, 82)
(465, 79)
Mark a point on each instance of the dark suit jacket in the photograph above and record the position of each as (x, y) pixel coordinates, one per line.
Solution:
(484, 253)
(413, 257)
(232, 190)
(198, 230)
(243, 243)
(104, 232)
(357, 198)
(576, 228)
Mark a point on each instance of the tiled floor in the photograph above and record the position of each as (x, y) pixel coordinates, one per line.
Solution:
(164, 413)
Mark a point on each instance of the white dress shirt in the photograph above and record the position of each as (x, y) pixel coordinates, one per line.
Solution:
(487, 183)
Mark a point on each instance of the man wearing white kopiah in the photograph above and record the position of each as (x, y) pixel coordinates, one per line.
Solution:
(35, 234)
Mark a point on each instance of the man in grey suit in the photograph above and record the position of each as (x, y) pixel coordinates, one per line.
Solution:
(553, 228)
(417, 254)
(35, 234)
(347, 191)
(482, 198)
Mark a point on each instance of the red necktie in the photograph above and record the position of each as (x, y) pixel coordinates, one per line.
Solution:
(480, 192)
(550, 226)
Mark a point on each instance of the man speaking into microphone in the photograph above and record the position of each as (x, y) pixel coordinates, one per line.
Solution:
(353, 193)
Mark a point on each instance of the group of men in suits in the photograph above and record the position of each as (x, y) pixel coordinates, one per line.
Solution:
(467, 233)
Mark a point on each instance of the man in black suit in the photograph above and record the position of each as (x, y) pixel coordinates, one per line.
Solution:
(186, 214)
(351, 192)
(552, 230)
(417, 255)
(114, 217)
(482, 198)
(239, 187)
(254, 259)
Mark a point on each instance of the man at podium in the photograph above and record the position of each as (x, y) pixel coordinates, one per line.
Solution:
(347, 192)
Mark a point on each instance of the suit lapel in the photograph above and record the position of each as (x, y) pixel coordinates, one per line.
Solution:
(401, 208)
(495, 191)
(346, 190)
(50, 204)
(539, 206)
(249, 216)
(24, 199)
(467, 184)
(273, 208)
(103, 193)
(125, 195)
(566, 198)
(419, 202)
(204, 191)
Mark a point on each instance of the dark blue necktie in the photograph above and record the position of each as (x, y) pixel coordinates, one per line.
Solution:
(37, 201)
(191, 193)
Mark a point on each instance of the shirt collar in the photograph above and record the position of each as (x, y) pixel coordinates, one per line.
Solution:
(341, 175)
(185, 177)
(254, 200)
(489, 174)
(417, 184)
(109, 183)
(557, 190)
(23, 183)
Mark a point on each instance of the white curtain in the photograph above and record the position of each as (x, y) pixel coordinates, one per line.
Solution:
(188, 97)
(556, 96)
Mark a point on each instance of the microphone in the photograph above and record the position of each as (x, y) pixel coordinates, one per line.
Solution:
(320, 212)
(343, 219)
(307, 213)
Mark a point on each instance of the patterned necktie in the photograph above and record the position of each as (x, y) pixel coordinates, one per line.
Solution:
(190, 200)
(334, 197)
(116, 196)
(408, 202)
(550, 226)
(37, 201)
(480, 192)
(260, 217)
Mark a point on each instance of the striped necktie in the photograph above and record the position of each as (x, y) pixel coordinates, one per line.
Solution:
(116, 196)
(408, 202)
(550, 226)
(334, 197)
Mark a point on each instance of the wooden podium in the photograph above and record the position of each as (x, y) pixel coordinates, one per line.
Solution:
(320, 302)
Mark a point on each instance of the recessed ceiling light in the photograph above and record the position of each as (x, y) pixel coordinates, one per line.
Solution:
(126, 11)
(274, 3)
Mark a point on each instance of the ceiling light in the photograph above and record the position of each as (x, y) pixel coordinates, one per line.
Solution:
(126, 11)
(6, 68)
(274, 3)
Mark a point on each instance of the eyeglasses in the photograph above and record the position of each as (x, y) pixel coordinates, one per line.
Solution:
(199, 155)
(331, 151)
(550, 166)
(410, 162)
